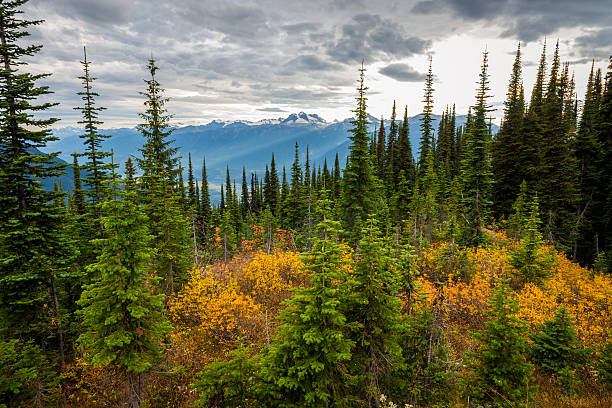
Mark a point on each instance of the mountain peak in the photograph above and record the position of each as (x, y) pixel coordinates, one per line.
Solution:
(303, 118)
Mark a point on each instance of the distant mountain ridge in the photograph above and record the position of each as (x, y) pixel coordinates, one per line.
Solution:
(243, 143)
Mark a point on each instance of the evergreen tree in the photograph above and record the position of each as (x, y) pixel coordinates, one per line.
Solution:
(555, 349)
(476, 165)
(588, 157)
(507, 168)
(205, 209)
(192, 198)
(500, 373)
(295, 200)
(244, 192)
(380, 149)
(374, 311)
(358, 182)
(308, 362)
(124, 322)
(603, 203)
(96, 170)
(158, 184)
(557, 171)
(78, 194)
(531, 265)
(405, 157)
(34, 248)
(426, 122)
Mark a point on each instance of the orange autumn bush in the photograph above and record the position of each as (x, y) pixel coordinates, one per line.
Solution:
(229, 303)
(587, 296)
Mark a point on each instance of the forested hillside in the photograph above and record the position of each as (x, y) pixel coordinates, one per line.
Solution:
(476, 273)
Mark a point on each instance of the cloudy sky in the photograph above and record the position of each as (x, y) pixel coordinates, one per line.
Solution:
(227, 59)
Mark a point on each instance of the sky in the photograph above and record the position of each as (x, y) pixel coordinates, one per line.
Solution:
(249, 60)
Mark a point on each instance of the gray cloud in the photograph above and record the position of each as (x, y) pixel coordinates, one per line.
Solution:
(527, 20)
(599, 42)
(402, 72)
(277, 110)
(374, 38)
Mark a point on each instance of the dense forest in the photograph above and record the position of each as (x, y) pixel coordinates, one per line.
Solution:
(477, 274)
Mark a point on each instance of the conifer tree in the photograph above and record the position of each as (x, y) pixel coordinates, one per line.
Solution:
(528, 152)
(308, 362)
(380, 149)
(158, 189)
(96, 170)
(205, 201)
(557, 172)
(531, 265)
(124, 322)
(295, 200)
(78, 194)
(358, 183)
(555, 348)
(426, 144)
(244, 192)
(603, 204)
(588, 157)
(374, 311)
(34, 246)
(500, 373)
(476, 165)
(405, 157)
(507, 168)
(191, 194)
(389, 176)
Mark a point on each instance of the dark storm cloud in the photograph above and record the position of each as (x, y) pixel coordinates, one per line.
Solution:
(527, 20)
(600, 42)
(402, 72)
(373, 38)
(113, 12)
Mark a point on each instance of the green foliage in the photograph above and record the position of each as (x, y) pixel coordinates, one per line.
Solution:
(123, 319)
(423, 378)
(532, 265)
(604, 366)
(476, 176)
(25, 371)
(373, 311)
(358, 183)
(555, 348)
(308, 364)
(231, 383)
(500, 373)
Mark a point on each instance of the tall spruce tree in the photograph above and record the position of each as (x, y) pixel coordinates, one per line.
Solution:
(426, 144)
(34, 247)
(557, 172)
(603, 202)
(508, 170)
(123, 320)
(476, 165)
(96, 170)
(373, 310)
(358, 186)
(588, 153)
(158, 189)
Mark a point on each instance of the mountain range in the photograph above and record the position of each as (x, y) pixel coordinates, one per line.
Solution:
(240, 143)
